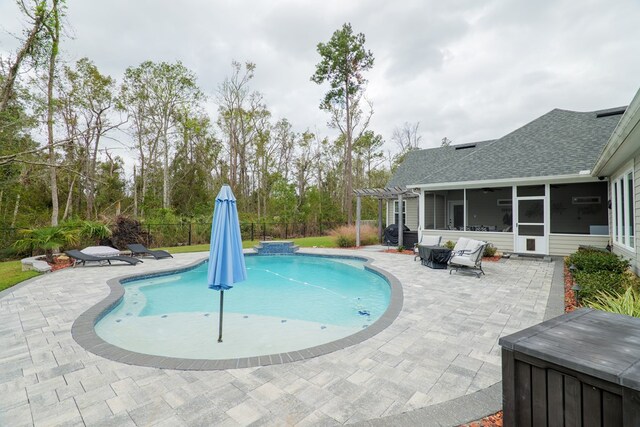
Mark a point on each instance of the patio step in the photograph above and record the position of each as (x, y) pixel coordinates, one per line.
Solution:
(276, 247)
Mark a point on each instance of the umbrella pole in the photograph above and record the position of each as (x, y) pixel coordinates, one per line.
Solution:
(221, 305)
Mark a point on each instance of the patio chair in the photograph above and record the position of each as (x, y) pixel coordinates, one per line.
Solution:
(82, 258)
(460, 245)
(140, 250)
(468, 259)
(426, 240)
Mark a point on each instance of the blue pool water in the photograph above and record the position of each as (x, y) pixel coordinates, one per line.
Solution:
(287, 303)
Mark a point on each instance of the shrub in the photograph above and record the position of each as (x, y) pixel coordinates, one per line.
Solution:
(400, 248)
(449, 244)
(489, 250)
(626, 303)
(125, 231)
(345, 236)
(600, 281)
(590, 261)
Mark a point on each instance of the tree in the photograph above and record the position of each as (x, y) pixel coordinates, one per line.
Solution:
(344, 61)
(154, 95)
(86, 100)
(34, 35)
(406, 139)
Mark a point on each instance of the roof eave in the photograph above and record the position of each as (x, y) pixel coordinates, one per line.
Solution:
(618, 148)
(505, 182)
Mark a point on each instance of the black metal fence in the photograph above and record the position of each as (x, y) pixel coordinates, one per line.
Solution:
(195, 233)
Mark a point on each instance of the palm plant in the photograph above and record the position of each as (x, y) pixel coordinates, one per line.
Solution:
(47, 239)
(627, 303)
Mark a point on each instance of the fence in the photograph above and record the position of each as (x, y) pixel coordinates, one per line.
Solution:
(195, 233)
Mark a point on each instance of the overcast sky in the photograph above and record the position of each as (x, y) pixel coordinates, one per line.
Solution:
(465, 69)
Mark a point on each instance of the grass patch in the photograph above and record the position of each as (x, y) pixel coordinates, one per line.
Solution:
(11, 274)
(303, 242)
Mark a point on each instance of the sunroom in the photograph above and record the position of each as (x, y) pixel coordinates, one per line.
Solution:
(537, 218)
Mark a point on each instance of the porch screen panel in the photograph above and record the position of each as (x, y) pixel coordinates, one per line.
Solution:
(489, 209)
(579, 208)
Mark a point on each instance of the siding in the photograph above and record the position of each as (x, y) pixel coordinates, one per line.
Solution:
(566, 244)
(502, 241)
(633, 257)
(411, 216)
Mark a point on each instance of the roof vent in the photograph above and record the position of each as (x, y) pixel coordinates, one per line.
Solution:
(464, 146)
(611, 112)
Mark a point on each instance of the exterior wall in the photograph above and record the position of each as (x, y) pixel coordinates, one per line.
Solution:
(502, 241)
(566, 244)
(411, 214)
(633, 257)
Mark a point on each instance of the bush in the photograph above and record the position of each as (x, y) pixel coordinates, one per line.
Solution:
(600, 281)
(626, 303)
(489, 250)
(449, 244)
(591, 261)
(345, 236)
(125, 231)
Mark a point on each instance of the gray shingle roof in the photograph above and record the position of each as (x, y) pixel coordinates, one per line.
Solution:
(560, 142)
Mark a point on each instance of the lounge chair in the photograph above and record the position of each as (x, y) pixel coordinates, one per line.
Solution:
(82, 258)
(426, 240)
(469, 258)
(140, 250)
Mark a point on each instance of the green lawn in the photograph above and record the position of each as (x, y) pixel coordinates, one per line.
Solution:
(11, 273)
(303, 242)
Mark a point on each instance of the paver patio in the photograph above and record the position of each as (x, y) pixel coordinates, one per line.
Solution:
(442, 346)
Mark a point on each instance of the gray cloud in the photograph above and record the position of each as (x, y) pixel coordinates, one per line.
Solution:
(465, 69)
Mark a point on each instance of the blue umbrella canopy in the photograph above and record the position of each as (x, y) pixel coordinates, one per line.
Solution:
(226, 261)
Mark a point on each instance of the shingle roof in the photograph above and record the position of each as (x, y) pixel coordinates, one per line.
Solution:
(418, 163)
(560, 142)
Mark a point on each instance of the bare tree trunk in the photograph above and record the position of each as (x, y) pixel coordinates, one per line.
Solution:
(68, 208)
(55, 40)
(15, 211)
(347, 163)
(135, 194)
(165, 174)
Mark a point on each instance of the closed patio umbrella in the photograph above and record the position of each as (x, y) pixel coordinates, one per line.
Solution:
(226, 260)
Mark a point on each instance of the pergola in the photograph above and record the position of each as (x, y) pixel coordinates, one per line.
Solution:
(381, 194)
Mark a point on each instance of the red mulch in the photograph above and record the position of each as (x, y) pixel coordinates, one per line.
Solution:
(395, 251)
(60, 263)
(494, 420)
(492, 258)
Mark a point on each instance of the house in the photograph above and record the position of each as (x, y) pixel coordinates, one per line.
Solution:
(531, 191)
(619, 161)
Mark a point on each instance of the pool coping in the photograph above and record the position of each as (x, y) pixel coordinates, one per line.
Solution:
(83, 329)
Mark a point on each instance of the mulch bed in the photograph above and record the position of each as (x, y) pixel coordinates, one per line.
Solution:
(570, 304)
(60, 262)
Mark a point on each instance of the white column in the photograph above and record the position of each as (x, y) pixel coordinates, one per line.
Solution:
(464, 205)
(358, 208)
(421, 212)
(400, 222)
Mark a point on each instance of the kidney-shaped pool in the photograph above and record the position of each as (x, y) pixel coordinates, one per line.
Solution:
(287, 303)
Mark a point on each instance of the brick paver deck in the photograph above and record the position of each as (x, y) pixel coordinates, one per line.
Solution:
(441, 348)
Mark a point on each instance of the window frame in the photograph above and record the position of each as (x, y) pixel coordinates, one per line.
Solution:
(623, 202)
(404, 212)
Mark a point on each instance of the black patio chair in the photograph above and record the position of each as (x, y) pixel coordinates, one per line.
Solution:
(82, 258)
(140, 250)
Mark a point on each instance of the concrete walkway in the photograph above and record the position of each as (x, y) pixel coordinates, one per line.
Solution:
(442, 347)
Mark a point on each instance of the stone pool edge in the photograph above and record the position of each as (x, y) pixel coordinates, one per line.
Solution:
(83, 331)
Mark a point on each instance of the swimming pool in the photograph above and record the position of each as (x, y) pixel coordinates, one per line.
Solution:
(288, 303)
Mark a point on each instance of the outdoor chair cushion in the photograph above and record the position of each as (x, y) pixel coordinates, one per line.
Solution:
(463, 260)
(429, 240)
(461, 244)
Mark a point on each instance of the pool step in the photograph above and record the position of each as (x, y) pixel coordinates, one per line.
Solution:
(276, 247)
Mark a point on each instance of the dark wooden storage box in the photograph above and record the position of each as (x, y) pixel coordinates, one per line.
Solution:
(579, 369)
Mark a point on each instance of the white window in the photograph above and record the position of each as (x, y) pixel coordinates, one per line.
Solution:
(623, 209)
(404, 212)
